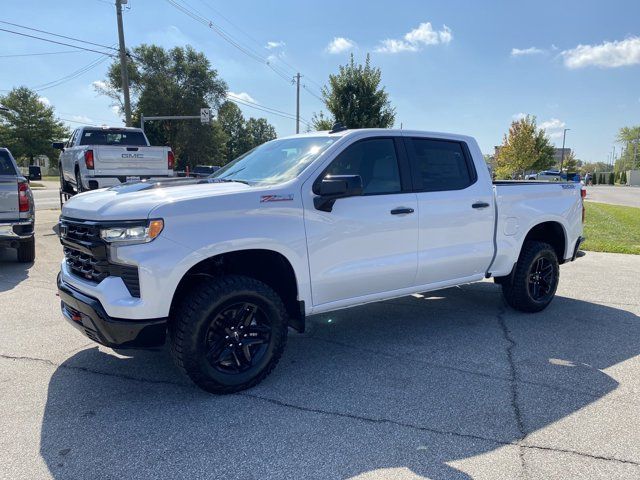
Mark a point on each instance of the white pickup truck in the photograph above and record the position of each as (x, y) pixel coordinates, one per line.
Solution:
(299, 226)
(96, 157)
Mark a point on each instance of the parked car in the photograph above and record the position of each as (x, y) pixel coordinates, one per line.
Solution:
(299, 226)
(550, 175)
(96, 157)
(17, 213)
(202, 171)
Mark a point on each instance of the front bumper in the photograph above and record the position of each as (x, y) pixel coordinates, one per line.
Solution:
(87, 315)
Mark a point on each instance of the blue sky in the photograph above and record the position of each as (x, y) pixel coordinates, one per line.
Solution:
(461, 66)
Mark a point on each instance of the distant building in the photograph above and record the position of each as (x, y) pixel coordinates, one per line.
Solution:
(557, 154)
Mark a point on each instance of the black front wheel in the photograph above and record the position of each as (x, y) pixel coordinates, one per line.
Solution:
(534, 280)
(228, 334)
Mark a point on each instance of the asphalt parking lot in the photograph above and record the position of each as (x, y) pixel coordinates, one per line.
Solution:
(450, 385)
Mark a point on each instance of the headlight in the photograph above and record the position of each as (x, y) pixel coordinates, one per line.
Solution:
(132, 233)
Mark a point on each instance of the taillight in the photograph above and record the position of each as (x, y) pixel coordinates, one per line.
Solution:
(88, 159)
(23, 197)
(170, 160)
(583, 192)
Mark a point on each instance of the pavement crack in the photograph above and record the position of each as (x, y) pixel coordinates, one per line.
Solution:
(513, 386)
(319, 411)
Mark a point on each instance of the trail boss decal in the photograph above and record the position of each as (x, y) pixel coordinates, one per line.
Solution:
(276, 198)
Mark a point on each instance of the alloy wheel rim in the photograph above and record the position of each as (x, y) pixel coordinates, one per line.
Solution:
(237, 338)
(541, 279)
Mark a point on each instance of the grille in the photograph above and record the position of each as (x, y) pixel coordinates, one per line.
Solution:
(86, 266)
(83, 232)
(92, 263)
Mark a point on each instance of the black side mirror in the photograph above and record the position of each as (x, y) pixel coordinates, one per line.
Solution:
(334, 187)
(58, 145)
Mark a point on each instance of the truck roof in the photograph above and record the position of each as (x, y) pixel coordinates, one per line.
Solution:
(384, 131)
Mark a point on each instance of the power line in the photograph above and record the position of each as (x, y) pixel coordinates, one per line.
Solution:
(38, 54)
(71, 76)
(257, 106)
(59, 43)
(311, 93)
(57, 35)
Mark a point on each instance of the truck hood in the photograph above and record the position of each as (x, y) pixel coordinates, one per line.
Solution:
(136, 201)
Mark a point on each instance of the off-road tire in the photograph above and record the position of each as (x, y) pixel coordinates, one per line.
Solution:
(515, 288)
(192, 316)
(27, 251)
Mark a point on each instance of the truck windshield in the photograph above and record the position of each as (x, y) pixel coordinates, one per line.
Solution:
(113, 137)
(274, 162)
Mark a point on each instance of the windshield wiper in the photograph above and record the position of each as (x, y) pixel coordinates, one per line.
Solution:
(226, 180)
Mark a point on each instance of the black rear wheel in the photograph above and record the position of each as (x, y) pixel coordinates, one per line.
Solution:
(27, 250)
(534, 280)
(228, 334)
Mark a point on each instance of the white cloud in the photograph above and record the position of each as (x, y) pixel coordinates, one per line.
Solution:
(552, 124)
(519, 52)
(605, 55)
(244, 96)
(116, 110)
(553, 128)
(44, 101)
(340, 44)
(272, 45)
(518, 116)
(81, 118)
(417, 38)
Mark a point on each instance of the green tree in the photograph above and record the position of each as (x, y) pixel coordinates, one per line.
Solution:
(178, 81)
(570, 162)
(320, 122)
(355, 98)
(630, 158)
(256, 132)
(524, 148)
(29, 126)
(232, 122)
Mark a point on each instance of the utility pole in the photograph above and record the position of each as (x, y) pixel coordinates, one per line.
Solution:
(613, 157)
(564, 136)
(297, 80)
(124, 73)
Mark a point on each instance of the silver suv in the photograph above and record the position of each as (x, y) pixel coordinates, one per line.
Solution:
(17, 214)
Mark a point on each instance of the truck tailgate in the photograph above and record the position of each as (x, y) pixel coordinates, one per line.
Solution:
(8, 197)
(134, 160)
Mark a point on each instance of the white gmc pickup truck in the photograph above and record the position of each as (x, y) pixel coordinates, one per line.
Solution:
(96, 157)
(298, 226)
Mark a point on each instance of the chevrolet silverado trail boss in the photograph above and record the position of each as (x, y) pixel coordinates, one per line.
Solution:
(17, 214)
(299, 226)
(96, 157)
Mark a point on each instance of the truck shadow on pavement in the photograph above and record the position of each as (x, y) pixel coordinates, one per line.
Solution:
(11, 272)
(410, 385)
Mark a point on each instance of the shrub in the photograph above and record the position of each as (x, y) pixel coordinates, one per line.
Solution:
(612, 179)
(623, 177)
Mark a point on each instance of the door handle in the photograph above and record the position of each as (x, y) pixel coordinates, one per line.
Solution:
(480, 205)
(401, 210)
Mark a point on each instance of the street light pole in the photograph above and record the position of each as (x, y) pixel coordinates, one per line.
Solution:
(564, 136)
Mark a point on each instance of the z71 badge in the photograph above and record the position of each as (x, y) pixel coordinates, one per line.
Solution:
(276, 198)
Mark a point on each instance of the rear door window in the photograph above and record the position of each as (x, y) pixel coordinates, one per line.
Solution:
(438, 165)
(6, 165)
